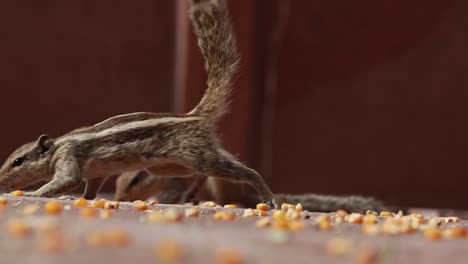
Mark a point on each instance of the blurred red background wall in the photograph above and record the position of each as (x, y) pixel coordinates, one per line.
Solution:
(345, 98)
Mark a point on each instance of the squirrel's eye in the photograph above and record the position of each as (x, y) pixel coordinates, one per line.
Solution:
(17, 162)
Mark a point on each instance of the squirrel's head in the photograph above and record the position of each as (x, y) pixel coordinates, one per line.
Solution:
(28, 164)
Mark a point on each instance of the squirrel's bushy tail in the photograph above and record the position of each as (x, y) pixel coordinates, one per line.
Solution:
(217, 44)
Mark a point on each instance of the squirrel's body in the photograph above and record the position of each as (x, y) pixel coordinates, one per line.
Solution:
(141, 186)
(162, 144)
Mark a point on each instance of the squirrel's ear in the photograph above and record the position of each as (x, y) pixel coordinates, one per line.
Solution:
(44, 143)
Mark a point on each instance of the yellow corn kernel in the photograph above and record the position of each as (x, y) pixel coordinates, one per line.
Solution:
(263, 222)
(228, 256)
(248, 213)
(3, 201)
(286, 206)
(387, 214)
(355, 218)
(299, 207)
(370, 219)
(454, 232)
(370, 212)
(218, 216)
(263, 207)
(209, 204)
(296, 225)
(231, 206)
(140, 206)
(192, 212)
(417, 216)
(169, 251)
(80, 202)
(338, 247)
(18, 228)
(280, 224)
(292, 214)
(105, 214)
(98, 203)
(228, 216)
(173, 215)
(341, 213)
(17, 193)
(406, 229)
(88, 212)
(111, 205)
(432, 234)
(452, 219)
(53, 207)
(370, 229)
(261, 213)
(279, 215)
(436, 221)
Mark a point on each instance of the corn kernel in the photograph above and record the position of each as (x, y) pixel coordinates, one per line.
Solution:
(292, 214)
(209, 204)
(53, 207)
(156, 217)
(299, 207)
(105, 214)
(279, 215)
(232, 206)
(98, 203)
(432, 234)
(280, 224)
(192, 212)
(387, 214)
(370, 212)
(173, 215)
(88, 212)
(263, 207)
(417, 216)
(18, 228)
(228, 216)
(355, 218)
(140, 206)
(454, 232)
(341, 213)
(286, 206)
(263, 222)
(452, 219)
(406, 229)
(296, 225)
(80, 202)
(370, 219)
(436, 221)
(169, 251)
(338, 247)
(111, 205)
(17, 193)
(228, 256)
(218, 216)
(117, 237)
(3, 201)
(248, 213)
(370, 229)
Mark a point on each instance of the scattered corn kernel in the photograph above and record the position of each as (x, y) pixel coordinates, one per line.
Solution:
(338, 247)
(140, 206)
(452, 219)
(387, 214)
(218, 216)
(53, 207)
(3, 201)
(263, 222)
(169, 251)
(209, 204)
(432, 234)
(286, 206)
(156, 217)
(192, 212)
(296, 225)
(105, 214)
(263, 207)
(279, 215)
(88, 212)
(454, 232)
(417, 216)
(436, 221)
(299, 207)
(18, 228)
(111, 205)
(248, 213)
(17, 193)
(232, 206)
(280, 224)
(80, 202)
(228, 256)
(224, 215)
(406, 229)
(98, 203)
(173, 215)
(261, 213)
(370, 219)
(292, 214)
(370, 229)
(370, 212)
(341, 213)
(355, 218)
